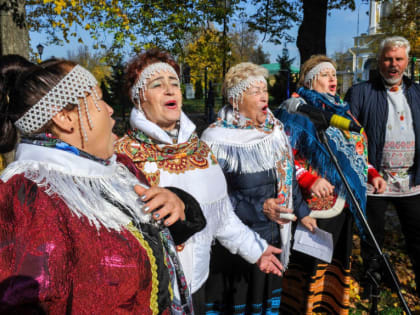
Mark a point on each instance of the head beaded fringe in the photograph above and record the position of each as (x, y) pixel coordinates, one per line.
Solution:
(73, 86)
(236, 91)
(146, 74)
(311, 76)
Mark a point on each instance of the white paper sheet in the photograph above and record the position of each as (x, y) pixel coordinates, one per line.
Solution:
(318, 244)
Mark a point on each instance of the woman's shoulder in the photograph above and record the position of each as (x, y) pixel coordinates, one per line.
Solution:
(30, 216)
(20, 196)
(15, 186)
(210, 133)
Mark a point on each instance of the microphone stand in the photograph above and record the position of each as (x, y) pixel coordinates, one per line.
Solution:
(321, 127)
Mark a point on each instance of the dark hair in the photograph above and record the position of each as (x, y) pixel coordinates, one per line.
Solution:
(23, 88)
(139, 62)
(11, 66)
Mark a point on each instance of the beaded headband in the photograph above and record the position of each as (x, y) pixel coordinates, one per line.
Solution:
(310, 76)
(146, 74)
(73, 86)
(236, 91)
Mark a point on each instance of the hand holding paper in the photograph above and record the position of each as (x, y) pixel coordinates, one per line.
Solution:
(318, 244)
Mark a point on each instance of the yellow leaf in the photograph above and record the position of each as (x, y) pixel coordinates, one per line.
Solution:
(58, 9)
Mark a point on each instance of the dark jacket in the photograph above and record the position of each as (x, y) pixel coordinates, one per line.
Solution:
(368, 103)
(248, 191)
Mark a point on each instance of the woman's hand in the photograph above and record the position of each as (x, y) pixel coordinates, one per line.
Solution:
(273, 210)
(269, 263)
(162, 203)
(322, 188)
(309, 223)
(379, 184)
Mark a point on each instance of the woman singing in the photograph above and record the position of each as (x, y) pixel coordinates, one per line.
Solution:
(78, 229)
(311, 285)
(257, 160)
(163, 144)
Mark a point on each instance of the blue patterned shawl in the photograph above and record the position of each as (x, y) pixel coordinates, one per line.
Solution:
(303, 138)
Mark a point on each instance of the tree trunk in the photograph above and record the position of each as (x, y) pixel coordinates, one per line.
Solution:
(14, 36)
(311, 34)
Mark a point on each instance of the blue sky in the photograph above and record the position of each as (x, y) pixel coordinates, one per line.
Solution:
(341, 28)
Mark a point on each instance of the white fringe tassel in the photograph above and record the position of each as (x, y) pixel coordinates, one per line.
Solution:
(85, 195)
(249, 158)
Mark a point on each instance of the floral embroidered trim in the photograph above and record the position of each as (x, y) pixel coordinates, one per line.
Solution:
(227, 118)
(176, 158)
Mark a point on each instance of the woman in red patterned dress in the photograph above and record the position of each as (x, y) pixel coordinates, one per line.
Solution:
(77, 231)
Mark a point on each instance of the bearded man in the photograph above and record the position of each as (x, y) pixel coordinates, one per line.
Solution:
(389, 108)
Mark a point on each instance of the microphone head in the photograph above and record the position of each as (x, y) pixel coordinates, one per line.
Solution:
(292, 104)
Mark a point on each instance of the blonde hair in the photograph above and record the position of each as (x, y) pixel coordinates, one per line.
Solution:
(310, 64)
(241, 72)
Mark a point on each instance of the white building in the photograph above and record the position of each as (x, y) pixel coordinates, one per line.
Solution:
(364, 50)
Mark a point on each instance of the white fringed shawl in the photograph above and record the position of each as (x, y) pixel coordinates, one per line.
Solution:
(88, 188)
(244, 151)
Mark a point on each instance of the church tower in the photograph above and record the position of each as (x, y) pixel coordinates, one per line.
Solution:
(377, 10)
(364, 58)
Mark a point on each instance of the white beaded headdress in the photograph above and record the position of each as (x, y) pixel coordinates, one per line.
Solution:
(311, 75)
(73, 86)
(236, 91)
(146, 74)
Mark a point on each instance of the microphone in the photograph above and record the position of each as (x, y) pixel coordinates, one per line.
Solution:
(321, 119)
